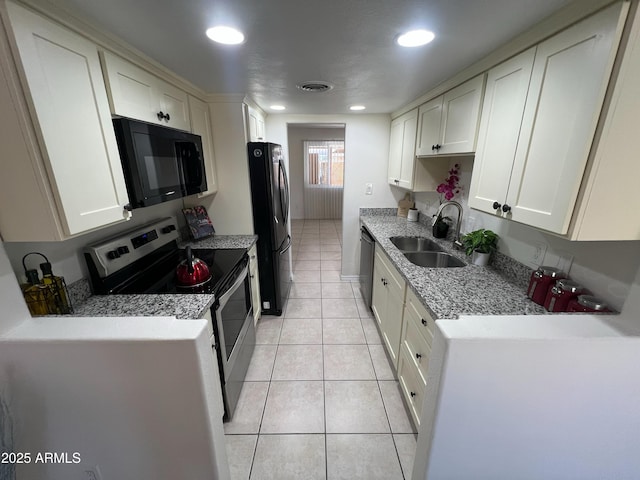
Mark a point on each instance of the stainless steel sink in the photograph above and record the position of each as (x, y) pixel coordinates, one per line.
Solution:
(415, 244)
(434, 259)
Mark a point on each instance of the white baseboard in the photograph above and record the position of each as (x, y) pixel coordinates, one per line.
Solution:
(350, 278)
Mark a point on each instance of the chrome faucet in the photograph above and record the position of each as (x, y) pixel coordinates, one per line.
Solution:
(456, 240)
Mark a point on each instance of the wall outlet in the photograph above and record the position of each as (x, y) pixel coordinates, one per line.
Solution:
(368, 190)
(538, 253)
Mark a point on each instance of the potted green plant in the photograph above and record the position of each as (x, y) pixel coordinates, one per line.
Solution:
(480, 244)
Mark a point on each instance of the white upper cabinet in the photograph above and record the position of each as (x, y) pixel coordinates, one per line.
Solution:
(608, 206)
(77, 167)
(256, 126)
(566, 90)
(448, 124)
(201, 125)
(504, 102)
(136, 93)
(401, 149)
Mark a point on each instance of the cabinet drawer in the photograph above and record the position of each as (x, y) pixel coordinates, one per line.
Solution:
(412, 386)
(416, 313)
(417, 347)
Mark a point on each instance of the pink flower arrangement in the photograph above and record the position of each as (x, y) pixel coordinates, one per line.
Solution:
(450, 188)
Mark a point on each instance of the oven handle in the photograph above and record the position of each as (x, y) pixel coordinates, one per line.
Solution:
(224, 298)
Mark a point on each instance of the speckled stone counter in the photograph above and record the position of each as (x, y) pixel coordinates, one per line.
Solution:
(182, 306)
(223, 242)
(450, 292)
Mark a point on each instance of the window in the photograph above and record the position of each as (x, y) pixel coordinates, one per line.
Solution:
(324, 162)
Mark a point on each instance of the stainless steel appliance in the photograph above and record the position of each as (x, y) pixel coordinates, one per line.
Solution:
(270, 199)
(144, 260)
(367, 251)
(159, 163)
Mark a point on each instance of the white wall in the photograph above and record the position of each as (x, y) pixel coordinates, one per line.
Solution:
(136, 397)
(557, 400)
(14, 309)
(366, 154)
(67, 258)
(297, 135)
(230, 209)
(607, 268)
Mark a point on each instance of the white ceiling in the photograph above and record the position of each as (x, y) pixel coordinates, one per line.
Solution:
(349, 43)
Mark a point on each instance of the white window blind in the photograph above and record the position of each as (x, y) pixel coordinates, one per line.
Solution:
(323, 178)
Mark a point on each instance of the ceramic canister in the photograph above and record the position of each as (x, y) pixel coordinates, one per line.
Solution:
(560, 294)
(587, 303)
(541, 280)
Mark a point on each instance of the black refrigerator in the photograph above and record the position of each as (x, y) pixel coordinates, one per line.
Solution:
(270, 199)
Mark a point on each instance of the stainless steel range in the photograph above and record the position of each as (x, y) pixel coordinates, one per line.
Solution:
(145, 260)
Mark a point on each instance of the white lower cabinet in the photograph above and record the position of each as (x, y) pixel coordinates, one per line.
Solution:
(61, 170)
(388, 302)
(415, 351)
(406, 328)
(254, 284)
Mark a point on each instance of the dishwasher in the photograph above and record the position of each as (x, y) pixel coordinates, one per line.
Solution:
(367, 251)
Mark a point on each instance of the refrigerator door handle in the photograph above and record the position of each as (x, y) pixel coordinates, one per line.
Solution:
(288, 245)
(284, 205)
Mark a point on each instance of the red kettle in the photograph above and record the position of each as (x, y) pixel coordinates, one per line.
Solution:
(192, 272)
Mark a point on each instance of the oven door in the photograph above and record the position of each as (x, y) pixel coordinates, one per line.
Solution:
(235, 337)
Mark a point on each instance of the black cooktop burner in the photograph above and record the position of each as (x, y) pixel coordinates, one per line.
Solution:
(156, 273)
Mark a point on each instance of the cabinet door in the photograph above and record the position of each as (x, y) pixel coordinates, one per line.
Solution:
(460, 115)
(392, 322)
(256, 126)
(201, 125)
(255, 284)
(70, 103)
(402, 149)
(137, 94)
(395, 151)
(429, 120)
(502, 111)
(568, 83)
(379, 292)
(174, 103)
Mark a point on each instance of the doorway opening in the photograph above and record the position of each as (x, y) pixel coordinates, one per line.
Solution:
(316, 165)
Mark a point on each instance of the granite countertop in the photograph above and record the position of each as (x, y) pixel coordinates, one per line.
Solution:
(450, 292)
(223, 242)
(182, 306)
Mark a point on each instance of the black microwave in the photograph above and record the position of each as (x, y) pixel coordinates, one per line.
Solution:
(159, 163)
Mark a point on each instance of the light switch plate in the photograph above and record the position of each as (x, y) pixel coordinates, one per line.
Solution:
(368, 189)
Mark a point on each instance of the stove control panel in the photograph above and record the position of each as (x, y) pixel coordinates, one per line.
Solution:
(115, 253)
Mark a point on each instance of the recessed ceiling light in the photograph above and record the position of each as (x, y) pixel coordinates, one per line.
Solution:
(225, 35)
(357, 107)
(415, 38)
(277, 107)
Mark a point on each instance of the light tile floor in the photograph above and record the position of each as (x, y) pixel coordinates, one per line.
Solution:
(320, 401)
